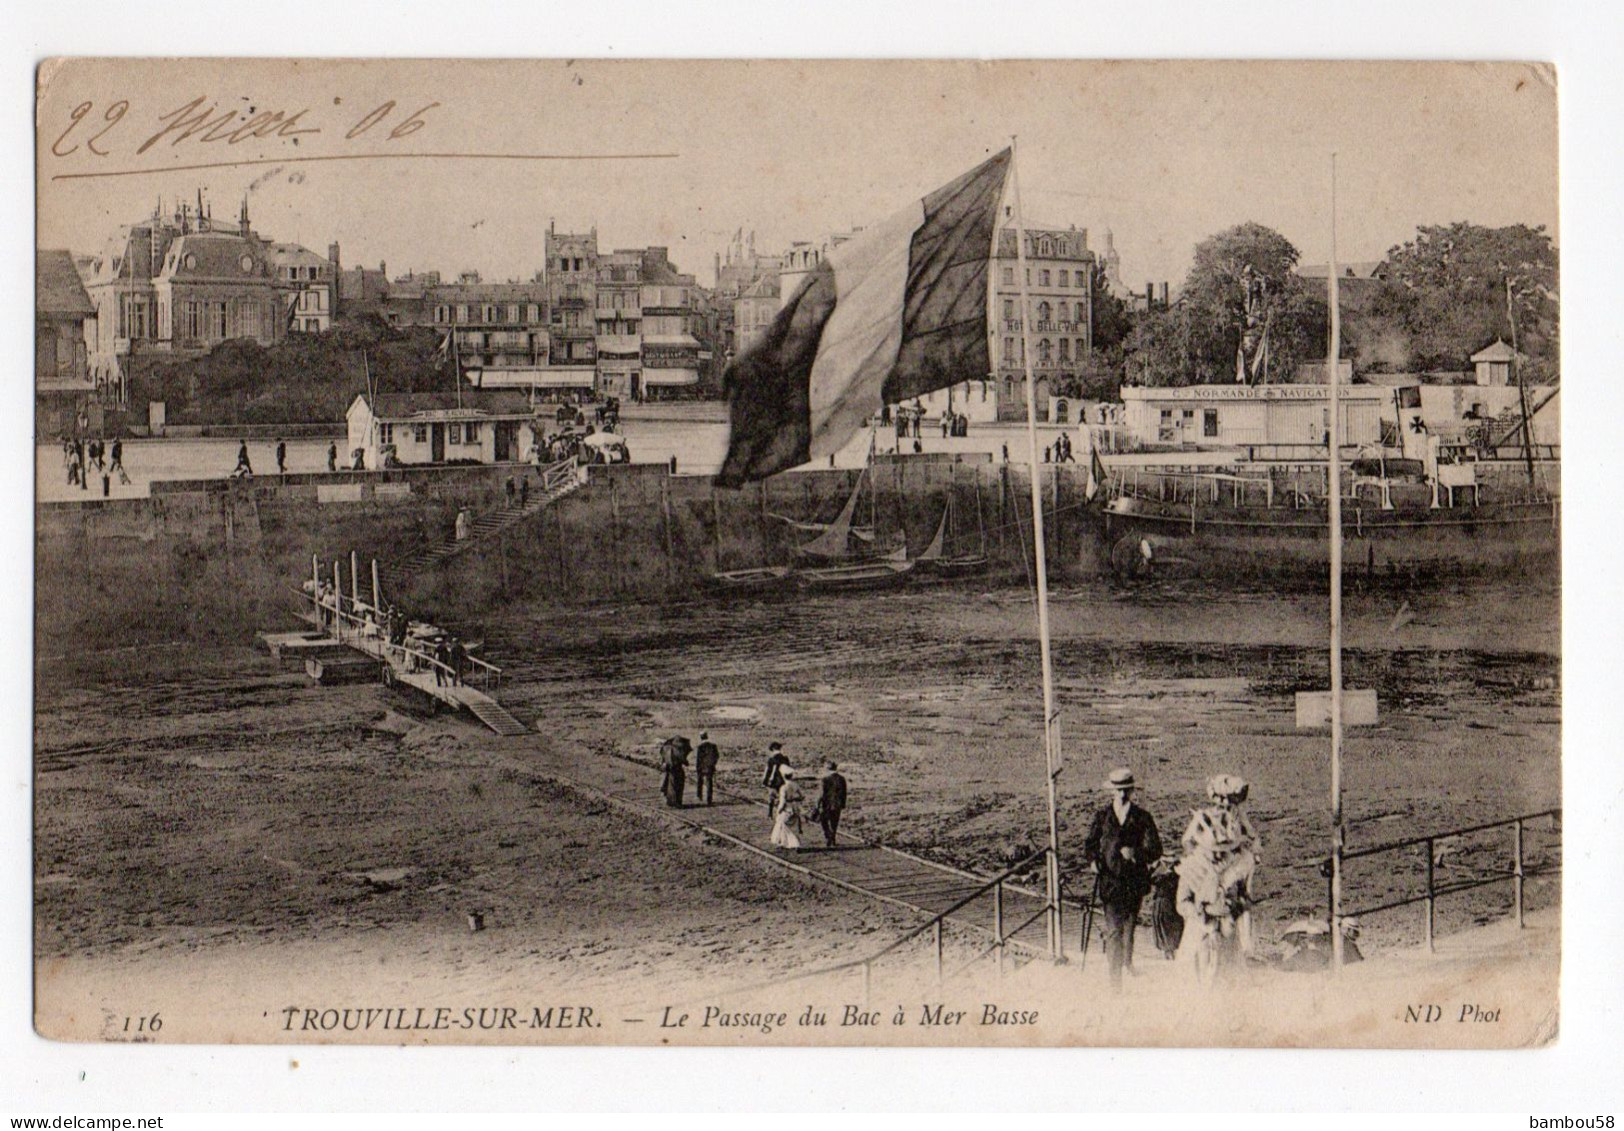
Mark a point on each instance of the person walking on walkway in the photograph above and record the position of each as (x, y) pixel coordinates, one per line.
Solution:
(705, 759)
(332, 456)
(524, 491)
(777, 763)
(787, 815)
(459, 660)
(281, 456)
(831, 801)
(118, 463)
(243, 466)
(674, 769)
(442, 662)
(1123, 846)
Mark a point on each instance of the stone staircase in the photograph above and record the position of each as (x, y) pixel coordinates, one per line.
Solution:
(557, 480)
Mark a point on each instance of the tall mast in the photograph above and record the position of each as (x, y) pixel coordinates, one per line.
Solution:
(1051, 733)
(1522, 389)
(1334, 478)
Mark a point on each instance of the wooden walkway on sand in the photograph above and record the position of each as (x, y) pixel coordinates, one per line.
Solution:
(875, 871)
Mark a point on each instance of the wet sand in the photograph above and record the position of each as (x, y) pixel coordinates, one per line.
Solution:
(193, 805)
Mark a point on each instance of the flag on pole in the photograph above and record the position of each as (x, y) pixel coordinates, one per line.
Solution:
(443, 354)
(895, 313)
(1097, 474)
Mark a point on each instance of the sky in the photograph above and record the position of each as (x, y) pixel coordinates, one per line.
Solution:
(1163, 154)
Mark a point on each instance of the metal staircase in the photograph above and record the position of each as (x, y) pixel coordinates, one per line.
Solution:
(557, 480)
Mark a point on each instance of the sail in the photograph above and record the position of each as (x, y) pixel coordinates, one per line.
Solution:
(933, 552)
(835, 539)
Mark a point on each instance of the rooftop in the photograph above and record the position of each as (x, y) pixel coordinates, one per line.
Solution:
(57, 287)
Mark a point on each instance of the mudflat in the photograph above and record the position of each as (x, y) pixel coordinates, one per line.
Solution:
(201, 813)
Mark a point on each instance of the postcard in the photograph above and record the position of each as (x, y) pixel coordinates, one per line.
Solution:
(592, 552)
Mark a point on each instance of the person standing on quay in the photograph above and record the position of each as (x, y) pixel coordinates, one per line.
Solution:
(332, 456)
(705, 759)
(1123, 846)
(831, 801)
(281, 456)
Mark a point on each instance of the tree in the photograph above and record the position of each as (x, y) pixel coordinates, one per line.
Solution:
(1196, 339)
(1447, 288)
(1109, 314)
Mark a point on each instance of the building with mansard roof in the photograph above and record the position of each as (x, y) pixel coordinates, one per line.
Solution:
(182, 284)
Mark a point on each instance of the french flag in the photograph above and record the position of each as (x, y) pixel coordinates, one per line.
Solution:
(897, 312)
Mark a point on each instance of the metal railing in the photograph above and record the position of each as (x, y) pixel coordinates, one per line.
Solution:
(1516, 875)
(346, 620)
(1002, 934)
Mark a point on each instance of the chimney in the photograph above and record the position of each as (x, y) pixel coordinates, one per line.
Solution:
(332, 255)
(1164, 294)
(242, 222)
(1150, 296)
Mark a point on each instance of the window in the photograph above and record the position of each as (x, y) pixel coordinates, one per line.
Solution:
(470, 433)
(1209, 422)
(513, 312)
(1009, 276)
(1009, 308)
(453, 433)
(1043, 278)
(217, 319)
(535, 312)
(1082, 314)
(490, 312)
(193, 326)
(462, 312)
(386, 433)
(1045, 352)
(1082, 348)
(420, 433)
(1009, 349)
(1045, 312)
(1065, 352)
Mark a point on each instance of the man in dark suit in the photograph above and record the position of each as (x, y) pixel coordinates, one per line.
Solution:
(705, 759)
(831, 801)
(773, 777)
(1123, 846)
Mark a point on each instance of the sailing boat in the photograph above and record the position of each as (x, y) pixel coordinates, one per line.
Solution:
(935, 557)
(834, 539)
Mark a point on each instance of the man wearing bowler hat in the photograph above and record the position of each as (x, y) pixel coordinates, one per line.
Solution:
(1123, 846)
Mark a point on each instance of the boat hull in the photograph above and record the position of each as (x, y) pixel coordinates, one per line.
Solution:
(1512, 539)
(846, 578)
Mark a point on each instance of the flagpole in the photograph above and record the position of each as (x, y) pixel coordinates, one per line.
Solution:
(1051, 735)
(1334, 478)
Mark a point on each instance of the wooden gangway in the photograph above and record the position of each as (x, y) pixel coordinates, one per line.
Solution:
(1000, 917)
(344, 619)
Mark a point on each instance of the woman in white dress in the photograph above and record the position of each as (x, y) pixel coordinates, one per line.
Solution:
(1217, 877)
(787, 816)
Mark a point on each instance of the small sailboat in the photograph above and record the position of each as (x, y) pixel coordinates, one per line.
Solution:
(863, 573)
(757, 580)
(937, 559)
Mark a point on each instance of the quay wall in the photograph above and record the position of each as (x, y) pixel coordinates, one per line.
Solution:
(218, 560)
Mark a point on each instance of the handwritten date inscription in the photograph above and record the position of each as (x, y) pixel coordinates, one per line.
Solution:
(203, 121)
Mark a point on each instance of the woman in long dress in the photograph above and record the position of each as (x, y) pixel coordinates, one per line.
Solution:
(1216, 880)
(787, 815)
